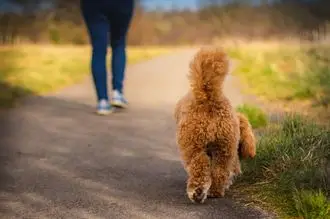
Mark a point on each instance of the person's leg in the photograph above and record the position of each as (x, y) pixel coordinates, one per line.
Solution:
(119, 24)
(98, 28)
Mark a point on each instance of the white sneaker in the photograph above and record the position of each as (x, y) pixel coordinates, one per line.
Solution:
(103, 107)
(118, 99)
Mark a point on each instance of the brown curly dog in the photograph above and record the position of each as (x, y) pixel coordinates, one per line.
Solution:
(210, 134)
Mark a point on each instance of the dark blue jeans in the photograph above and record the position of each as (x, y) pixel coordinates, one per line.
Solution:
(107, 20)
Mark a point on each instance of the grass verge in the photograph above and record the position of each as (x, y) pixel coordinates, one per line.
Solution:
(39, 69)
(285, 71)
(290, 173)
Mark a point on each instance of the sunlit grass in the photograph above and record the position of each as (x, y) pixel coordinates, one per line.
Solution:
(289, 174)
(282, 71)
(40, 69)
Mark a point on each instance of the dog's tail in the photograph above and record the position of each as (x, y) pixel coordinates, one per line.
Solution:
(207, 72)
(247, 143)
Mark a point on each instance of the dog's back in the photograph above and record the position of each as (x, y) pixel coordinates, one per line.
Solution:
(204, 115)
(205, 124)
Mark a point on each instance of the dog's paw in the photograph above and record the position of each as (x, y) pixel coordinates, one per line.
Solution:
(197, 195)
(215, 194)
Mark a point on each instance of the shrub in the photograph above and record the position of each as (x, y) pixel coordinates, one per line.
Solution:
(255, 115)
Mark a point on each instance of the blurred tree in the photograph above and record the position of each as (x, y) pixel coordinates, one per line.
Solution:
(59, 21)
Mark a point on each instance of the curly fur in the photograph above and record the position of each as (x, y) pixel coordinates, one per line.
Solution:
(210, 134)
(247, 143)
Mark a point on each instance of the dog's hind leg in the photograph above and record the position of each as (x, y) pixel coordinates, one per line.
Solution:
(199, 177)
(237, 165)
(224, 167)
(235, 172)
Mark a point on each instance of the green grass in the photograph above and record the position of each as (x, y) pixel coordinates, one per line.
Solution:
(285, 71)
(255, 115)
(289, 173)
(311, 204)
(40, 69)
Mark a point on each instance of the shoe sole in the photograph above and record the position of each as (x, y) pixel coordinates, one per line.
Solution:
(104, 113)
(119, 105)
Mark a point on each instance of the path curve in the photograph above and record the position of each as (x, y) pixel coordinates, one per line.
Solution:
(59, 160)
